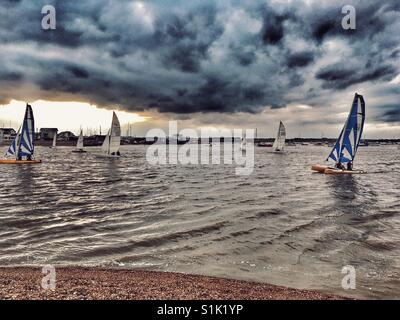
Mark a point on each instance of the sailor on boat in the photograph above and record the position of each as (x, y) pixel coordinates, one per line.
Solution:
(339, 166)
(350, 166)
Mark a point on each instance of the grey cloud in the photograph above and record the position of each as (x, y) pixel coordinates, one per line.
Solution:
(300, 59)
(185, 57)
(341, 77)
(389, 113)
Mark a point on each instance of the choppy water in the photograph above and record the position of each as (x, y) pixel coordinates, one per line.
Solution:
(282, 225)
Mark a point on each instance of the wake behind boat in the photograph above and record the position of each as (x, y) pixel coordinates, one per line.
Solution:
(347, 144)
(23, 146)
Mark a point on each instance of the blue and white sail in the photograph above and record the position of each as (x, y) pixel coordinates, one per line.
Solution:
(13, 149)
(23, 145)
(27, 142)
(346, 146)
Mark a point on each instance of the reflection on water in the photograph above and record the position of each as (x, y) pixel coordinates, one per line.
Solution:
(282, 224)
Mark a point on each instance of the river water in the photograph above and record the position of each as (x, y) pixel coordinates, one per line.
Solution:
(282, 224)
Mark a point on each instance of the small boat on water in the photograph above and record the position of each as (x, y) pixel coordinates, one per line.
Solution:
(54, 141)
(79, 144)
(346, 146)
(264, 145)
(243, 143)
(112, 141)
(23, 146)
(279, 143)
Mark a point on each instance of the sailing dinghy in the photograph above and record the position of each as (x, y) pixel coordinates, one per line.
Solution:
(23, 146)
(243, 143)
(112, 141)
(79, 144)
(54, 141)
(279, 143)
(346, 146)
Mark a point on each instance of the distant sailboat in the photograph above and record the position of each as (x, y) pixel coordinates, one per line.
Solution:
(346, 146)
(112, 140)
(54, 141)
(23, 146)
(79, 144)
(279, 143)
(243, 143)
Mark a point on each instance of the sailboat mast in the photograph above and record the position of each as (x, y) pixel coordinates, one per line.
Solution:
(18, 149)
(109, 143)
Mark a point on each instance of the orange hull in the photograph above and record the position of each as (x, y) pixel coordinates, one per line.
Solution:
(20, 161)
(319, 168)
(327, 170)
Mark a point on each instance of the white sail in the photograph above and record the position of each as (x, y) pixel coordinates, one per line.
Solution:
(14, 147)
(106, 143)
(279, 142)
(79, 144)
(115, 135)
(243, 143)
(55, 140)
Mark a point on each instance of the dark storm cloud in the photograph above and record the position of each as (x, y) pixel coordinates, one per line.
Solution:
(390, 113)
(11, 76)
(300, 59)
(194, 56)
(341, 77)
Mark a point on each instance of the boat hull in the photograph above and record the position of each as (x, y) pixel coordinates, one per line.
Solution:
(99, 155)
(328, 170)
(319, 168)
(20, 161)
(337, 171)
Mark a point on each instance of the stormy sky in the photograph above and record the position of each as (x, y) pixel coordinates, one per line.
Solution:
(209, 63)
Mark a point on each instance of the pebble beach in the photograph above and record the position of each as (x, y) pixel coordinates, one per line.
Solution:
(76, 283)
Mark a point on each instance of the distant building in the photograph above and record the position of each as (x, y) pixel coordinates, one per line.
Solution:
(47, 133)
(7, 134)
(66, 135)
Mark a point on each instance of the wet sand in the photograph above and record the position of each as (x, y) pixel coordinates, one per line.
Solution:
(97, 283)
